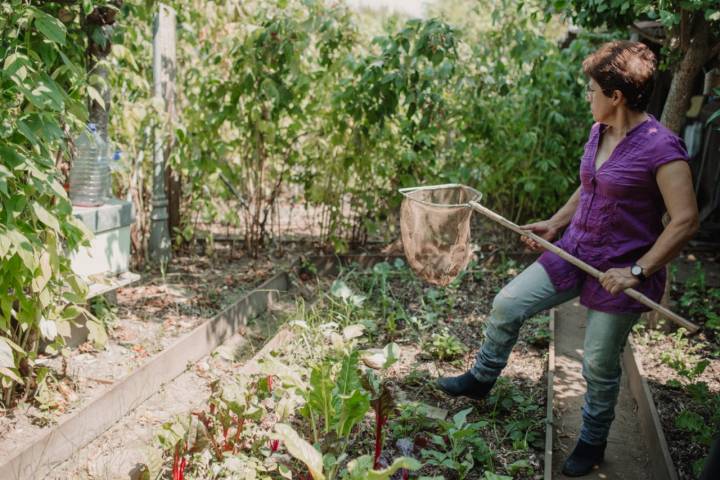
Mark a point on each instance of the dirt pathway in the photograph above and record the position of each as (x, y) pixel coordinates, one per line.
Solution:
(626, 455)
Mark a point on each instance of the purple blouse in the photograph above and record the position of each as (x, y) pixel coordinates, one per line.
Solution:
(619, 216)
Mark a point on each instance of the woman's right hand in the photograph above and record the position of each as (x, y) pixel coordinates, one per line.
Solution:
(546, 229)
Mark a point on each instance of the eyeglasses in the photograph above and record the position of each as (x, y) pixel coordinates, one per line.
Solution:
(589, 92)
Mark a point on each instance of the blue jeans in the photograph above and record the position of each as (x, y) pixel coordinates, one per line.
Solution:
(605, 337)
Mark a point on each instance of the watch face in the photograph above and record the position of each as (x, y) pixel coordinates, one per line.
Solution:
(636, 270)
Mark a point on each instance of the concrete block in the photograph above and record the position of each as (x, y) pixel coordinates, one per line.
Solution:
(109, 251)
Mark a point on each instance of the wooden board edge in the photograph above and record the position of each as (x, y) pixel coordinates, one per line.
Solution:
(661, 462)
(549, 420)
(82, 427)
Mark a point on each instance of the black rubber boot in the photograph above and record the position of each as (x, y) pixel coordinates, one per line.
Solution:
(583, 458)
(465, 385)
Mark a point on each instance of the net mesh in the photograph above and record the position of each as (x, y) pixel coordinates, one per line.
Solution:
(435, 228)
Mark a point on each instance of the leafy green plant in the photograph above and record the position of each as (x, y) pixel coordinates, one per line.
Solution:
(683, 357)
(701, 418)
(701, 301)
(459, 446)
(445, 346)
(44, 86)
(522, 427)
(360, 468)
(538, 331)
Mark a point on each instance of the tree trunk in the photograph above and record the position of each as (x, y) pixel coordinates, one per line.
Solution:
(99, 114)
(696, 55)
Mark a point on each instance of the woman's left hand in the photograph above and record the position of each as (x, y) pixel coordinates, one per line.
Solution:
(616, 280)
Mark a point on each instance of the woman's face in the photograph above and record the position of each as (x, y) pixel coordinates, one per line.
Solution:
(601, 106)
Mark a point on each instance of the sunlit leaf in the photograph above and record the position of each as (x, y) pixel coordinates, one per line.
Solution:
(301, 450)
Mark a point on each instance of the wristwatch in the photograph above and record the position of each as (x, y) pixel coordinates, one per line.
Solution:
(637, 272)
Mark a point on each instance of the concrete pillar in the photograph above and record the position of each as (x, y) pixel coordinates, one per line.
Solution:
(164, 82)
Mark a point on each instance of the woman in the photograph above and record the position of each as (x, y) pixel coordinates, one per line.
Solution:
(632, 171)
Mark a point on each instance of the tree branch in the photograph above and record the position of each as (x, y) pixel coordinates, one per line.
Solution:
(648, 36)
(60, 2)
(714, 51)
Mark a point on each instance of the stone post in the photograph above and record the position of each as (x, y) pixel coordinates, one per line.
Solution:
(164, 83)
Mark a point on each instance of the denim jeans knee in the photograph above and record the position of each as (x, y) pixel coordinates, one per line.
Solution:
(527, 294)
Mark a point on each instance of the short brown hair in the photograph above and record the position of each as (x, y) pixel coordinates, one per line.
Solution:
(625, 66)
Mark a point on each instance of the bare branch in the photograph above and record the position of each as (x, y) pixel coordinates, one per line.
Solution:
(714, 51)
(648, 36)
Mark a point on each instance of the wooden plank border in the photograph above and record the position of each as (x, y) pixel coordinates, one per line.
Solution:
(58, 444)
(549, 420)
(661, 463)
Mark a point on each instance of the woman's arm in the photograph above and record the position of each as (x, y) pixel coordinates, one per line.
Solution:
(562, 217)
(675, 182)
(549, 229)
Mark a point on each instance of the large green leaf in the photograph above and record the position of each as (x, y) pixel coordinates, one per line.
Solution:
(361, 468)
(348, 379)
(51, 27)
(320, 397)
(6, 354)
(43, 274)
(24, 249)
(301, 450)
(353, 410)
(96, 332)
(45, 217)
(5, 245)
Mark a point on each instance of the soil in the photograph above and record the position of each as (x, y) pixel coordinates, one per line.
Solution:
(150, 316)
(670, 400)
(525, 371)
(155, 311)
(122, 449)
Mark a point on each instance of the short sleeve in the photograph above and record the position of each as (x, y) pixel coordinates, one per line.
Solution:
(669, 149)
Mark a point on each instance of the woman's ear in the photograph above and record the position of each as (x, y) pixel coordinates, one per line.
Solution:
(617, 98)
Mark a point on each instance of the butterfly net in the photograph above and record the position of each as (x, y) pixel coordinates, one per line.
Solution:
(435, 228)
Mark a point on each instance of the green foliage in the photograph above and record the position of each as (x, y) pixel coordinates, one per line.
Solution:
(522, 429)
(446, 347)
(294, 97)
(539, 332)
(621, 13)
(701, 417)
(460, 446)
(43, 86)
(700, 301)
(524, 115)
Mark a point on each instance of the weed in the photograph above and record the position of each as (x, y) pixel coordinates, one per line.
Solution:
(700, 301)
(702, 418)
(459, 446)
(539, 331)
(446, 347)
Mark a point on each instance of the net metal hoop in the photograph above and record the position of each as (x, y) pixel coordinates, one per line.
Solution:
(408, 193)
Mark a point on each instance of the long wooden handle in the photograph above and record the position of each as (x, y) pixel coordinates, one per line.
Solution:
(630, 292)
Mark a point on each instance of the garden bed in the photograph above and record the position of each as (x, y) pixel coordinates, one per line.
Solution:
(684, 372)
(366, 354)
(147, 319)
(122, 449)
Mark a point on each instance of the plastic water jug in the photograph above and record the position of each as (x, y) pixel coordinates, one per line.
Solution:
(90, 172)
